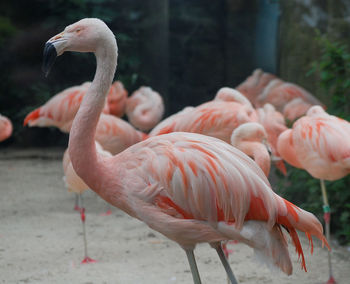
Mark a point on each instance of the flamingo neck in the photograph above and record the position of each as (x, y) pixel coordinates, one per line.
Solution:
(82, 150)
(258, 153)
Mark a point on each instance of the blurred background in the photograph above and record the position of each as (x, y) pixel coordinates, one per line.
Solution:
(185, 50)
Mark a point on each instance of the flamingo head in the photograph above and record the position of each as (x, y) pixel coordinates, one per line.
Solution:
(86, 35)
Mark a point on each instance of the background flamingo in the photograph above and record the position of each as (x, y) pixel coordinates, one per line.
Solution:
(5, 128)
(191, 188)
(60, 110)
(144, 108)
(319, 143)
(116, 99)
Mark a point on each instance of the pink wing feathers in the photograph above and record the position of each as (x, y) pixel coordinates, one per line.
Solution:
(5, 128)
(189, 176)
(322, 144)
(115, 134)
(216, 118)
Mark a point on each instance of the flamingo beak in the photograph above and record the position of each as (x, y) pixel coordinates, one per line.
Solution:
(54, 47)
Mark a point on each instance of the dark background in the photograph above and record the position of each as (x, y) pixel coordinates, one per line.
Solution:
(185, 50)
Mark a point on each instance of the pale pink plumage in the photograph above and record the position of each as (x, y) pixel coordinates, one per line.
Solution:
(295, 109)
(253, 86)
(215, 118)
(116, 99)
(274, 124)
(5, 128)
(189, 187)
(318, 143)
(144, 108)
(251, 139)
(280, 93)
(115, 134)
(227, 94)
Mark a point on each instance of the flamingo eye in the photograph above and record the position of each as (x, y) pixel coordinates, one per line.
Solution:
(78, 30)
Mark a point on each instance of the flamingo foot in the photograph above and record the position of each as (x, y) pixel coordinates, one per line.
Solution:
(331, 280)
(107, 213)
(88, 260)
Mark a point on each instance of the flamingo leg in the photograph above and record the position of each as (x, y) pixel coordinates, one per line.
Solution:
(193, 266)
(86, 259)
(76, 203)
(327, 220)
(224, 262)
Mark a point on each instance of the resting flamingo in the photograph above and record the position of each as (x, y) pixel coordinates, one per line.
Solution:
(116, 99)
(60, 110)
(295, 109)
(320, 144)
(190, 187)
(144, 108)
(75, 184)
(279, 93)
(5, 128)
(253, 86)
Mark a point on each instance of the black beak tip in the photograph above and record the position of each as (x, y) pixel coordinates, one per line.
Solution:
(49, 57)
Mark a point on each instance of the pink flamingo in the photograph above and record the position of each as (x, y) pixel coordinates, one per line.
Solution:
(214, 118)
(189, 187)
(253, 86)
(60, 110)
(227, 94)
(5, 128)
(116, 99)
(75, 184)
(251, 139)
(295, 109)
(319, 143)
(274, 124)
(280, 93)
(144, 108)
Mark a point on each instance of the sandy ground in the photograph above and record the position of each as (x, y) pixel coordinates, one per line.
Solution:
(41, 240)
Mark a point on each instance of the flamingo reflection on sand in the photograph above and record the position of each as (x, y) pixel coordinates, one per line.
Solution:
(189, 187)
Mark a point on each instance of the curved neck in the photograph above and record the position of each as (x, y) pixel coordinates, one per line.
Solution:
(82, 149)
(258, 153)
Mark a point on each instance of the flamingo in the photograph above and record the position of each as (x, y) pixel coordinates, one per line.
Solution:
(295, 109)
(319, 143)
(116, 99)
(255, 84)
(274, 124)
(189, 187)
(60, 110)
(144, 108)
(280, 93)
(5, 128)
(214, 118)
(227, 94)
(75, 184)
(251, 138)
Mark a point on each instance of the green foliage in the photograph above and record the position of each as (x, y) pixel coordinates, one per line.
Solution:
(333, 69)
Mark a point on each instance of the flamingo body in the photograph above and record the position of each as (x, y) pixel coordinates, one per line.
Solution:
(144, 108)
(320, 143)
(190, 187)
(116, 99)
(215, 118)
(6, 128)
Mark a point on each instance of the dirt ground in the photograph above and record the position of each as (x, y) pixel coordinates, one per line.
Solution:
(41, 240)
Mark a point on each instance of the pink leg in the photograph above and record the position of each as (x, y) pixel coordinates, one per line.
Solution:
(86, 259)
(76, 204)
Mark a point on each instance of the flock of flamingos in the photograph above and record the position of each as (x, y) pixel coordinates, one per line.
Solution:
(200, 175)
